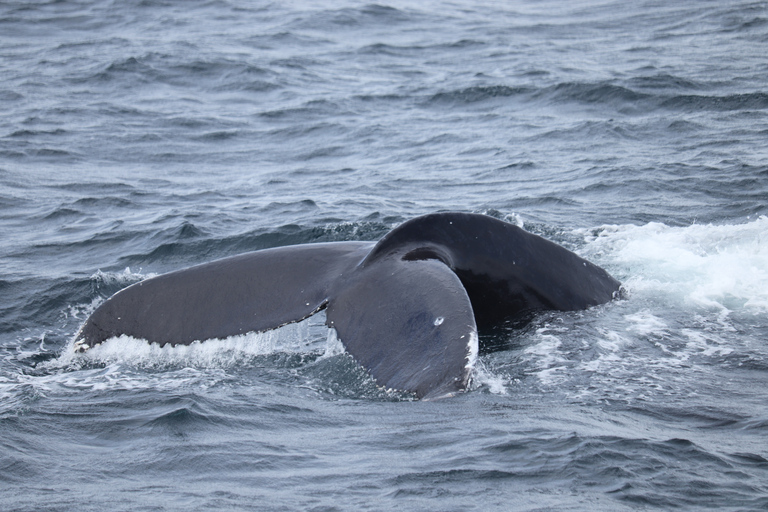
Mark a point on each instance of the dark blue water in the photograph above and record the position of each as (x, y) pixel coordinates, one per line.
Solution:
(137, 137)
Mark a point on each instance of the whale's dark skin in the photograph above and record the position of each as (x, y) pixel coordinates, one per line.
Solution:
(407, 308)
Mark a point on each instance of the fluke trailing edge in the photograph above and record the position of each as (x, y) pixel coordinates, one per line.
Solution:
(407, 307)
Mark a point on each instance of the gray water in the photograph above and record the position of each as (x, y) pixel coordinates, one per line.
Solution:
(138, 137)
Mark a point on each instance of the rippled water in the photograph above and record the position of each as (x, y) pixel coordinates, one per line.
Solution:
(139, 137)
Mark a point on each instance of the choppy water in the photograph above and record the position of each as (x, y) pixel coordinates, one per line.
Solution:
(138, 137)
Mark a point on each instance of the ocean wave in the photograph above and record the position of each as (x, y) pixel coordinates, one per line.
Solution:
(592, 93)
(664, 81)
(6, 95)
(479, 93)
(370, 15)
(732, 102)
(311, 110)
(26, 133)
(640, 94)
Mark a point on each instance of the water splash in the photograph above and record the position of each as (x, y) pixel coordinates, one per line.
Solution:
(710, 267)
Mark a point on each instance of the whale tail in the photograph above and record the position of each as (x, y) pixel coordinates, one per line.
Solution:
(406, 308)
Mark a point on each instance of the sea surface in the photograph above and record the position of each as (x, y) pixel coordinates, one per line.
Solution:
(143, 136)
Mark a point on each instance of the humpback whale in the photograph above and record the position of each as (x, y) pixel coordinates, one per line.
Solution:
(407, 308)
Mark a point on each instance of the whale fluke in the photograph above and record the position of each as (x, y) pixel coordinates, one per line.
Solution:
(407, 308)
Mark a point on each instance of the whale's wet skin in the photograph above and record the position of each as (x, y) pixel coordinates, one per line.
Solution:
(145, 142)
(403, 307)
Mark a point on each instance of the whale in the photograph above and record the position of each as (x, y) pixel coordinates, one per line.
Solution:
(407, 308)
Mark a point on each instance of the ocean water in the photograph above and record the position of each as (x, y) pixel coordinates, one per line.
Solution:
(143, 136)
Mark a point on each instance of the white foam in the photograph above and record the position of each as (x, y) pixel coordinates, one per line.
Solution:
(129, 363)
(546, 357)
(610, 343)
(100, 278)
(123, 278)
(482, 376)
(114, 376)
(306, 336)
(706, 343)
(516, 219)
(721, 267)
(646, 324)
